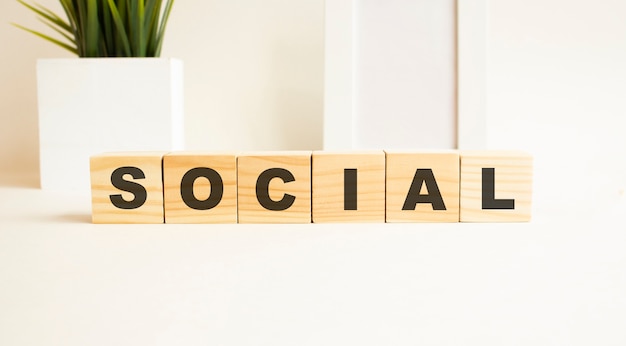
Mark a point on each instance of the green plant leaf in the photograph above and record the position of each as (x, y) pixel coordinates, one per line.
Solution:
(67, 37)
(151, 24)
(58, 21)
(81, 18)
(70, 12)
(139, 26)
(132, 26)
(47, 14)
(92, 29)
(106, 22)
(107, 28)
(50, 39)
(120, 28)
(161, 33)
(71, 16)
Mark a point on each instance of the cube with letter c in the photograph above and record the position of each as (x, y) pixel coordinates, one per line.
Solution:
(274, 187)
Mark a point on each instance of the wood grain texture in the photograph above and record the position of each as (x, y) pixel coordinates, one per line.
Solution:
(249, 168)
(176, 165)
(513, 179)
(102, 166)
(401, 171)
(328, 187)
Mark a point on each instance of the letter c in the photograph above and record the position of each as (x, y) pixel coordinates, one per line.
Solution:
(262, 189)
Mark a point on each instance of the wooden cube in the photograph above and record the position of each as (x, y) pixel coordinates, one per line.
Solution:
(496, 186)
(348, 187)
(200, 187)
(422, 186)
(274, 187)
(127, 188)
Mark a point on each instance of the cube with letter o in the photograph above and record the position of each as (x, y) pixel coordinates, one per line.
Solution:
(200, 187)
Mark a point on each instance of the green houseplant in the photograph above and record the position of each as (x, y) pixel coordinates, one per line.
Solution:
(119, 96)
(107, 28)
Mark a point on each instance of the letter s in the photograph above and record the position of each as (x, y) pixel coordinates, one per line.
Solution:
(140, 193)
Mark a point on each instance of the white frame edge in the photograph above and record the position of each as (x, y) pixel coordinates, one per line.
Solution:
(339, 74)
(471, 74)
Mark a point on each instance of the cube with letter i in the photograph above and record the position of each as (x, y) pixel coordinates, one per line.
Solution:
(127, 188)
(348, 186)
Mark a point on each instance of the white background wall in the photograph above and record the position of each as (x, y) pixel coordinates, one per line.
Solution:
(557, 88)
(253, 75)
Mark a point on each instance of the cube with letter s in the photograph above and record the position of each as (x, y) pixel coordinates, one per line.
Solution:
(127, 187)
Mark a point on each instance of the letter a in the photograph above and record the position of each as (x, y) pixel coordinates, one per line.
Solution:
(433, 197)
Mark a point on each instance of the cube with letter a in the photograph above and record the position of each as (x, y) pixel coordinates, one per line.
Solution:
(200, 187)
(422, 186)
(274, 187)
(127, 187)
(348, 186)
(496, 186)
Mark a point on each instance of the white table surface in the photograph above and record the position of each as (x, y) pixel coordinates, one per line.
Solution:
(557, 280)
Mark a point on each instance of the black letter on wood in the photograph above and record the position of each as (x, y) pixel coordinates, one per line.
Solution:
(433, 197)
(489, 192)
(349, 189)
(117, 179)
(262, 189)
(186, 188)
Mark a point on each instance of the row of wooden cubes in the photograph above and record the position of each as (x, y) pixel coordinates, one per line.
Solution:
(304, 187)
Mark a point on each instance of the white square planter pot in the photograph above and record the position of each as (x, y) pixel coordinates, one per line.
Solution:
(93, 105)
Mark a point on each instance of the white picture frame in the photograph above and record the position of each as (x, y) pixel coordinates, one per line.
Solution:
(339, 85)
